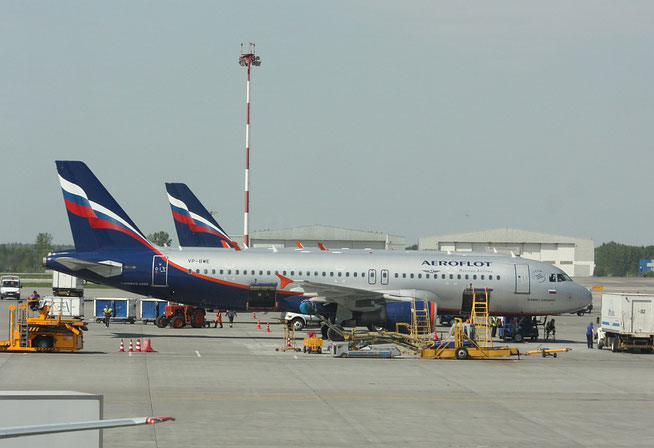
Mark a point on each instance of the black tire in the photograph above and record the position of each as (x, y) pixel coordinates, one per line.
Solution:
(580, 313)
(161, 322)
(518, 338)
(197, 319)
(461, 353)
(544, 354)
(297, 323)
(177, 322)
(324, 330)
(42, 342)
(334, 336)
(131, 320)
(375, 328)
(615, 344)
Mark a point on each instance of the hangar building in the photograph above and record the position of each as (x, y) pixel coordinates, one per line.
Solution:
(576, 256)
(331, 237)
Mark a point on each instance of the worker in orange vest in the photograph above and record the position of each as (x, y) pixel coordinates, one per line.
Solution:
(219, 320)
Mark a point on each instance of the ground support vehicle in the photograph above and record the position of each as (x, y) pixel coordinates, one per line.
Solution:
(312, 343)
(67, 285)
(124, 309)
(518, 329)
(299, 321)
(10, 286)
(178, 316)
(151, 309)
(41, 332)
(65, 306)
(627, 322)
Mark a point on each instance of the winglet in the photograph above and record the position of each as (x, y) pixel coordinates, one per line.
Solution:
(320, 245)
(155, 420)
(284, 281)
(299, 245)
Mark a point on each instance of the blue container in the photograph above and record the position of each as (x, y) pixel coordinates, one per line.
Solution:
(122, 308)
(151, 309)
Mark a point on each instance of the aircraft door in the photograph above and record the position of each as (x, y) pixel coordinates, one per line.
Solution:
(641, 311)
(384, 276)
(372, 276)
(159, 271)
(522, 281)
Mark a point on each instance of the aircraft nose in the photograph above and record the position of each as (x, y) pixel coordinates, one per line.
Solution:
(583, 296)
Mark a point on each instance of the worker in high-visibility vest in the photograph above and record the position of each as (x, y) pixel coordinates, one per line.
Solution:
(219, 319)
(107, 311)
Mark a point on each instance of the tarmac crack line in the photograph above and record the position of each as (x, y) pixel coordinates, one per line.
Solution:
(147, 379)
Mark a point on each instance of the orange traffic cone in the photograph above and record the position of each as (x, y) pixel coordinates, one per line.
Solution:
(254, 315)
(268, 327)
(258, 324)
(138, 345)
(122, 346)
(147, 345)
(131, 347)
(435, 336)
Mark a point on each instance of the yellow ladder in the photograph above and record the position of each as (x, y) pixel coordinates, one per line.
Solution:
(480, 318)
(420, 325)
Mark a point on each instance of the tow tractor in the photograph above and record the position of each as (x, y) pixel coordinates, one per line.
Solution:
(178, 316)
(42, 332)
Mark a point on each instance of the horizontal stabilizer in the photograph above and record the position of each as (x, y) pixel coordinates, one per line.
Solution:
(106, 268)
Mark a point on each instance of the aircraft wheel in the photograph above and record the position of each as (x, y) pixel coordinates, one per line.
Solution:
(177, 322)
(376, 328)
(334, 336)
(518, 338)
(461, 353)
(161, 322)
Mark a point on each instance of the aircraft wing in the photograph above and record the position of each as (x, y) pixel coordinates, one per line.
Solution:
(354, 299)
(21, 431)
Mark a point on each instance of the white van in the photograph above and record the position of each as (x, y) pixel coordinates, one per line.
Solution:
(10, 286)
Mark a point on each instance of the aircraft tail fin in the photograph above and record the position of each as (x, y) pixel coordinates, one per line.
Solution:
(96, 219)
(195, 226)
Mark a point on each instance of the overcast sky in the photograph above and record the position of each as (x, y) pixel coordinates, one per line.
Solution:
(414, 118)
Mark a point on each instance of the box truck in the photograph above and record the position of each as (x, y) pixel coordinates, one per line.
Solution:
(66, 285)
(627, 322)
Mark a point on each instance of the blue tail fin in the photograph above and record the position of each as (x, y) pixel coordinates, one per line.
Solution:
(96, 219)
(194, 224)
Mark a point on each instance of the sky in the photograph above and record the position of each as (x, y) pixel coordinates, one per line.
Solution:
(413, 118)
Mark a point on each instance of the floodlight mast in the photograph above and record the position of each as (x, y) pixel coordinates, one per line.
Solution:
(247, 59)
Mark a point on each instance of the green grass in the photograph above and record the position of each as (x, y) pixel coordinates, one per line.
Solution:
(28, 275)
(41, 284)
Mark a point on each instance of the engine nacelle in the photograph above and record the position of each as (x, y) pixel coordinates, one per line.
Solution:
(391, 314)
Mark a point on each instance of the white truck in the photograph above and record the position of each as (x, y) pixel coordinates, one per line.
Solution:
(10, 286)
(66, 307)
(627, 322)
(67, 285)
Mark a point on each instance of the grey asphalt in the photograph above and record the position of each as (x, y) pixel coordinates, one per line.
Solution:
(229, 387)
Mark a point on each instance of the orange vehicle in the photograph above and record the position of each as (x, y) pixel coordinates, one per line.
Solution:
(178, 316)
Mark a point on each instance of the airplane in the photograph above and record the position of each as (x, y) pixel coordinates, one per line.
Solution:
(195, 225)
(350, 288)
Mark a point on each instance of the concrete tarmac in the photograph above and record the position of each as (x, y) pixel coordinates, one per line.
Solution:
(229, 387)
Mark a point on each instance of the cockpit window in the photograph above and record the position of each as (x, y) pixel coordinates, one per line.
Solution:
(552, 278)
(566, 278)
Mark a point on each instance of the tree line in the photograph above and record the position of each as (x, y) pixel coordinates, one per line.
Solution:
(620, 260)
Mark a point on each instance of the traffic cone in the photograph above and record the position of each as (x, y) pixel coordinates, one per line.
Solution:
(254, 315)
(122, 346)
(435, 336)
(138, 345)
(147, 345)
(268, 327)
(258, 324)
(131, 347)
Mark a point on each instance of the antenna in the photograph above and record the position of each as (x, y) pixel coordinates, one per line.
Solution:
(247, 59)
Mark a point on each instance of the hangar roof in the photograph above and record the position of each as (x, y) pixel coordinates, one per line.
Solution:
(505, 234)
(317, 232)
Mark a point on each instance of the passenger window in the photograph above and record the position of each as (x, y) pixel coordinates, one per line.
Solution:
(474, 277)
(283, 272)
(293, 273)
(253, 272)
(458, 276)
(426, 275)
(197, 271)
(443, 276)
(347, 274)
(363, 274)
(490, 277)
(397, 275)
(356, 273)
(451, 276)
(324, 273)
(315, 273)
(411, 275)
(236, 272)
(483, 277)
(268, 272)
(213, 271)
(419, 275)
(403, 275)
(467, 277)
(552, 278)
(308, 273)
(498, 277)
(206, 272)
(340, 273)
(190, 270)
(331, 274)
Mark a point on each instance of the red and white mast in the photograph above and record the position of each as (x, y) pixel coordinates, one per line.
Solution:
(247, 59)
